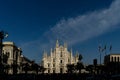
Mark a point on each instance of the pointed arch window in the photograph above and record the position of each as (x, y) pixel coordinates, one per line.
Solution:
(53, 65)
(60, 61)
(48, 64)
(61, 54)
(53, 59)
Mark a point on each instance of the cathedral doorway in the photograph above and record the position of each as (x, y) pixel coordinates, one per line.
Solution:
(61, 70)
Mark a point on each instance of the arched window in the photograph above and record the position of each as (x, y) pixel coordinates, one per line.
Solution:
(53, 59)
(3, 51)
(112, 59)
(115, 59)
(61, 54)
(5, 57)
(53, 65)
(48, 65)
(8, 54)
(118, 59)
(68, 60)
(48, 71)
(53, 71)
(60, 61)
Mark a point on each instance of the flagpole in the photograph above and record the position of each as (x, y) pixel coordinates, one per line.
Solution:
(100, 53)
(105, 49)
(110, 49)
(100, 58)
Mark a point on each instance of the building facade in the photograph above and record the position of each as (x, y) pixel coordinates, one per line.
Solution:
(13, 54)
(12, 57)
(112, 58)
(58, 59)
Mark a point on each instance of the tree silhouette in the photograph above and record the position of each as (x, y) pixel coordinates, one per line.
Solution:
(113, 68)
(70, 68)
(5, 58)
(25, 67)
(14, 67)
(90, 68)
(35, 67)
(80, 57)
(79, 66)
(42, 69)
(5, 64)
(6, 68)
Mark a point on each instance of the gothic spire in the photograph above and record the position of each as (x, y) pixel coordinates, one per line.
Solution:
(57, 43)
(71, 52)
(77, 54)
(45, 54)
(65, 45)
(51, 52)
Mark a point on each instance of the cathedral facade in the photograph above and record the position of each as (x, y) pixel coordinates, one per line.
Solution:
(58, 59)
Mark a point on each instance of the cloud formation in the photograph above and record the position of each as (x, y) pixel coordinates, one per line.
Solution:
(78, 29)
(83, 27)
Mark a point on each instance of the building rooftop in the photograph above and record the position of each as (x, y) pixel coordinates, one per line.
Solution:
(8, 42)
(114, 54)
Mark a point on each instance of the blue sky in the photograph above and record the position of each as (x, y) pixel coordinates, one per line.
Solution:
(34, 25)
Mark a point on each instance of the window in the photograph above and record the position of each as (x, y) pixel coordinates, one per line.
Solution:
(8, 54)
(112, 59)
(53, 60)
(3, 51)
(118, 59)
(5, 57)
(61, 54)
(48, 71)
(68, 60)
(48, 65)
(53, 65)
(60, 61)
(115, 59)
(53, 71)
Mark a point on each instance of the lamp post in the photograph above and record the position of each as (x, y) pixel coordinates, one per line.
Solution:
(2, 35)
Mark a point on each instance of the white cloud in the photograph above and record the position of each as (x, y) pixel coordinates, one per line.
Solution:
(80, 28)
(83, 27)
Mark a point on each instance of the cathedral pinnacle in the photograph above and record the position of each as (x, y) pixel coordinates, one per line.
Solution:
(57, 43)
(65, 45)
(77, 54)
(51, 50)
(45, 54)
(71, 50)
